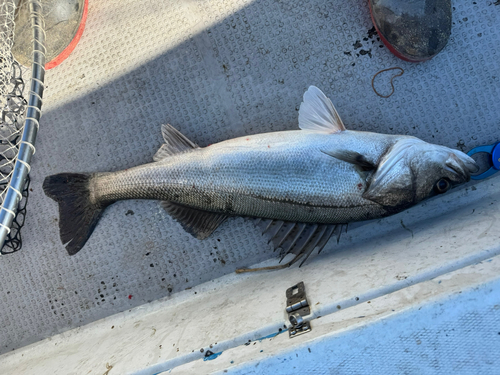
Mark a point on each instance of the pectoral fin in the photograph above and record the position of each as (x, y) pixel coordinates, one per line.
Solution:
(351, 157)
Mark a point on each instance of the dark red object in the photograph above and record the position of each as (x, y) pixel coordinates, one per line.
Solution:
(130, 296)
(414, 30)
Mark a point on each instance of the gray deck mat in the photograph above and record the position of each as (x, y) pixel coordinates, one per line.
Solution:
(242, 70)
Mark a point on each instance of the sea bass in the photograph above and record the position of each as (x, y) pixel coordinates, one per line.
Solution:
(301, 182)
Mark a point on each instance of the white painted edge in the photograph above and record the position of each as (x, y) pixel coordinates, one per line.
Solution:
(384, 308)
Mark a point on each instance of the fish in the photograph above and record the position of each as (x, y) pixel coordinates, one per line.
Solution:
(302, 186)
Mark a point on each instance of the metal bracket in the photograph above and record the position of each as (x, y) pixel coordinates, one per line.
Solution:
(297, 307)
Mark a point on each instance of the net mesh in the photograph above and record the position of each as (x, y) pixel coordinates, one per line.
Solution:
(12, 106)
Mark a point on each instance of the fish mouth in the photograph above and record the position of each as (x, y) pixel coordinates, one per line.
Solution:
(461, 165)
(468, 162)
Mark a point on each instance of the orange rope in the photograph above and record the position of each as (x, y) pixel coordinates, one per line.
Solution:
(392, 86)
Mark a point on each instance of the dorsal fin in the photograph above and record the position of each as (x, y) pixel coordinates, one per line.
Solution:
(318, 113)
(299, 239)
(175, 143)
(200, 224)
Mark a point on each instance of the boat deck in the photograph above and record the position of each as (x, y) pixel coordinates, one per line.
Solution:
(217, 70)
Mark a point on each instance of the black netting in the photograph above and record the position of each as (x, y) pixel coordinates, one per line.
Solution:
(13, 242)
(11, 126)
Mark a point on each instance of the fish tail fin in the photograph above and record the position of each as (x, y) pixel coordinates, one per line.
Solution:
(78, 213)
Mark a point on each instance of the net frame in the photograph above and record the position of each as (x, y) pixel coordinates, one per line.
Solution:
(17, 138)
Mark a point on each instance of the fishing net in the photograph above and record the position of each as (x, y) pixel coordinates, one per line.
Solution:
(13, 107)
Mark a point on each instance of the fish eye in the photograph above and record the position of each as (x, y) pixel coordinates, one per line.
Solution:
(442, 186)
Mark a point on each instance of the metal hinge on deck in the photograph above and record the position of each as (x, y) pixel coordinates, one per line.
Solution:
(297, 307)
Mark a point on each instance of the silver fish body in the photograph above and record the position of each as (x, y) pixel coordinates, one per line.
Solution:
(282, 175)
(320, 175)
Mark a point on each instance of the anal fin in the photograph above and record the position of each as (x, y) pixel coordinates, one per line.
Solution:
(200, 224)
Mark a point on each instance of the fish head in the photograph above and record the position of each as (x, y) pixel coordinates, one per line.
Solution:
(413, 170)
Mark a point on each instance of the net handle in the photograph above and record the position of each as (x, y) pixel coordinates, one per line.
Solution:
(31, 124)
